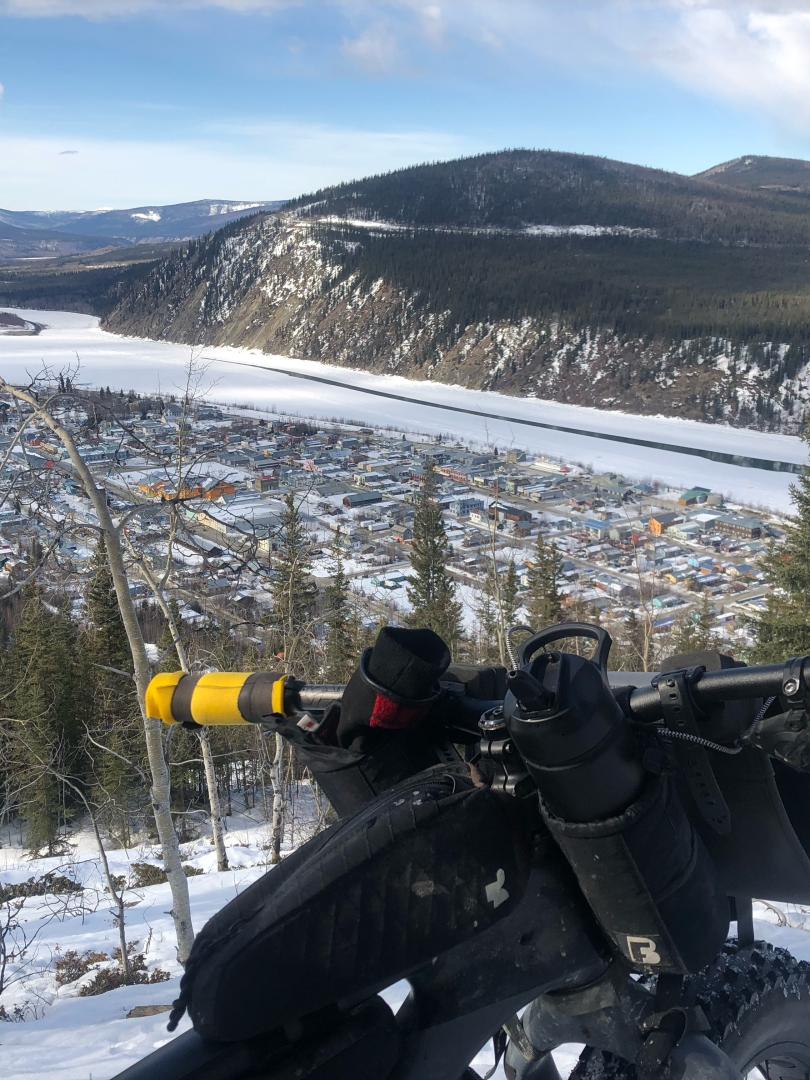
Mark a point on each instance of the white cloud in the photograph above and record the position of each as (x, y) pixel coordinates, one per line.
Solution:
(753, 53)
(259, 161)
(375, 51)
(2, 91)
(107, 9)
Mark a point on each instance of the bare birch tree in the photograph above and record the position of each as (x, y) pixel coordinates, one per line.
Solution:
(217, 831)
(160, 785)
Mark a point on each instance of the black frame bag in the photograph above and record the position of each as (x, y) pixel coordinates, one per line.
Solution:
(421, 869)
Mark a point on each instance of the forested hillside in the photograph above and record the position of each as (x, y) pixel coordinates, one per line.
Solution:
(556, 275)
(518, 188)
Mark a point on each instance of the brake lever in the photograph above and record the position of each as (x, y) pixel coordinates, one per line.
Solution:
(784, 736)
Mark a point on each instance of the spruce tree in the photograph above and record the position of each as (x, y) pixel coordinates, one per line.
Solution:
(695, 632)
(487, 624)
(510, 589)
(634, 647)
(294, 595)
(497, 611)
(782, 630)
(543, 599)
(293, 589)
(109, 640)
(342, 646)
(432, 592)
(45, 696)
(71, 709)
(115, 719)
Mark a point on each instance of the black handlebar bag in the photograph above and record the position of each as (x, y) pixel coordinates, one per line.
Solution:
(766, 852)
(384, 730)
(423, 868)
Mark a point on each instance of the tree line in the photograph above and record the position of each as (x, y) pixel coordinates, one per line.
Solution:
(677, 292)
(513, 188)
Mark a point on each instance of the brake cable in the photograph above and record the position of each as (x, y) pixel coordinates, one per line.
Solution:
(698, 740)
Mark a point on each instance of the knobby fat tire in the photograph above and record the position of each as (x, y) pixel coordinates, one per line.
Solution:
(753, 997)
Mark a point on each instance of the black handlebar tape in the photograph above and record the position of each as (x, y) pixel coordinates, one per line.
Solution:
(731, 684)
(218, 698)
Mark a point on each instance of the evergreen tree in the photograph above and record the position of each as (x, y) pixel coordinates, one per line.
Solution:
(510, 589)
(115, 719)
(432, 592)
(33, 701)
(487, 625)
(543, 600)
(783, 629)
(44, 672)
(293, 589)
(342, 646)
(695, 632)
(71, 712)
(109, 641)
(633, 645)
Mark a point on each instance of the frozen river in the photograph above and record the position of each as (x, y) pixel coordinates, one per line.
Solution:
(748, 466)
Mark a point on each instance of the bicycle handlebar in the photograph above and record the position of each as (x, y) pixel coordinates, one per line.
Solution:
(229, 697)
(226, 698)
(713, 687)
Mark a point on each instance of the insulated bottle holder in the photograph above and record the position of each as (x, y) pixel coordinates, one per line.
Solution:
(650, 881)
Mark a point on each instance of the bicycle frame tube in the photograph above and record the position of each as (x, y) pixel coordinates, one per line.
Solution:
(547, 954)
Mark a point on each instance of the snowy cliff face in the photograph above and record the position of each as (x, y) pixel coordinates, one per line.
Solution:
(286, 285)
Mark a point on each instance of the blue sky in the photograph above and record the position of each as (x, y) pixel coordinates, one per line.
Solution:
(130, 102)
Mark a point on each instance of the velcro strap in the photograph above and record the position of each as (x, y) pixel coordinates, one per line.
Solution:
(394, 716)
(678, 711)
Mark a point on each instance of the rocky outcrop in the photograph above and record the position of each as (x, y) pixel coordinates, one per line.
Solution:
(286, 285)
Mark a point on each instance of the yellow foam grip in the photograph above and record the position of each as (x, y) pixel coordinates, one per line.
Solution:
(216, 698)
(159, 694)
(277, 696)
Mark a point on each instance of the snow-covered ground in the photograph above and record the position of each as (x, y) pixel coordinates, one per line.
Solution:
(68, 1037)
(89, 1038)
(378, 225)
(245, 376)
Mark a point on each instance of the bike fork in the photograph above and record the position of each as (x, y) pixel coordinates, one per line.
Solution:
(607, 1016)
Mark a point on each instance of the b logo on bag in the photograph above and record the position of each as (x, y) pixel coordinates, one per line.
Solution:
(496, 893)
(643, 950)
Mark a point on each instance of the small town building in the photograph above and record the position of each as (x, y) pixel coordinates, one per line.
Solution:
(361, 498)
(660, 522)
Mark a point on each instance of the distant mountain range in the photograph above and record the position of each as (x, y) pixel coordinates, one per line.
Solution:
(41, 233)
(540, 273)
(786, 175)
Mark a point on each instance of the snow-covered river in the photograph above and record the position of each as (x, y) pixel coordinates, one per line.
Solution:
(609, 441)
